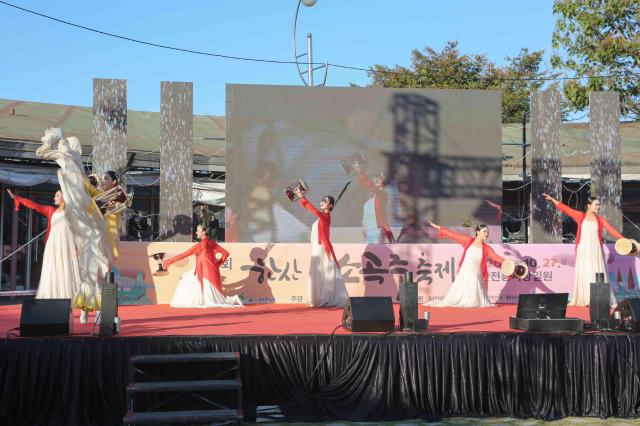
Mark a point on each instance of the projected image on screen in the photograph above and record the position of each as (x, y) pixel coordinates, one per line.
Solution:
(399, 157)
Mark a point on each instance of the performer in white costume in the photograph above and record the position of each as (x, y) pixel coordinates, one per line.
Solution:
(326, 286)
(589, 254)
(201, 287)
(59, 275)
(83, 216)
(469, 290)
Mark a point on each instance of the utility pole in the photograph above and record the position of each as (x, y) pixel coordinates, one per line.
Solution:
(525, 196)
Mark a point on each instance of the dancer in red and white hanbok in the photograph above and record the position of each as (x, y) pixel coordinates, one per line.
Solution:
(326, 286)
(469, 289)
(201, 287)
(59, 275)
(589, 254)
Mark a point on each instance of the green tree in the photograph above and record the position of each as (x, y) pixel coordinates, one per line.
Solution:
(520, 77)
(598, 41)
(449, 69)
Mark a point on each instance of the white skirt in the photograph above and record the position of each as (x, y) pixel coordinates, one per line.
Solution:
(191, 294)
(326, 286)
(589, 261)
(469, 289)
(60, 276)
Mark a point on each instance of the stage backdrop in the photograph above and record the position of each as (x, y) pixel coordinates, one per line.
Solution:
(439, 150)
(278, 273)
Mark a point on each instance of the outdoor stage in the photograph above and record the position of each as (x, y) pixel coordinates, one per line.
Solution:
(467, 364)
(275, 319)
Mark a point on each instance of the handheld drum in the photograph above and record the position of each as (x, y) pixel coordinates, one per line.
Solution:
(512, 269)
(291, 190)
(627, 247)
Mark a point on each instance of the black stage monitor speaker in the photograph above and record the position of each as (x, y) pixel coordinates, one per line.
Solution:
(599, 302)
(626, 316)
(46, 317)
(369, 314)
(408, 297)
(542, 306)
(544, 313)
(109, 324)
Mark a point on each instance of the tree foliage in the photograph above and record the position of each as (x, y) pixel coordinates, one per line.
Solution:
(598, 41)
(450, 69)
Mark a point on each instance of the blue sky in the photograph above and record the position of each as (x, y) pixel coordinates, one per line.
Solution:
(45, 61)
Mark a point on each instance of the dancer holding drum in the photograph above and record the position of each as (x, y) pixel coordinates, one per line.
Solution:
(326, 286)
(589, 254)
(469, 289)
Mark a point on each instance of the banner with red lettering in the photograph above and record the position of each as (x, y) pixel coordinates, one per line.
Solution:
(278, 273)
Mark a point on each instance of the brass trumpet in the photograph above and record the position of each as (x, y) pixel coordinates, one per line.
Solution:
(290, 192)
(113, 201)
(512, 269)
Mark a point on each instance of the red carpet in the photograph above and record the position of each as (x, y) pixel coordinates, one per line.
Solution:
(163, 320)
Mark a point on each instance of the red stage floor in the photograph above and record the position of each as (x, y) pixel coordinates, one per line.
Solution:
(163, 320)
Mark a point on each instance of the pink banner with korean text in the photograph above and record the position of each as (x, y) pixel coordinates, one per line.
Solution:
(278, 273)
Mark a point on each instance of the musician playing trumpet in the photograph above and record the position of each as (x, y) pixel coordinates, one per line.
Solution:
(108, 205)
(589, 254)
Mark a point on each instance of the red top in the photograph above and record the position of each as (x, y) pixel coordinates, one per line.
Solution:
(380, 200)
(579, 217)
(324, 224)
(466, 241)
(207, 266)
(44, 210)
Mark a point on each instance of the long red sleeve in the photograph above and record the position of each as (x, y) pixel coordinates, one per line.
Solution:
(579, 217)
(324, 225)
(307, 205)
(466, 241)
(573, 214)
(181, 256)
(207, 266)
(613, 231)
(493, 256)
(44, 210)
(224, 253)
(458, 238)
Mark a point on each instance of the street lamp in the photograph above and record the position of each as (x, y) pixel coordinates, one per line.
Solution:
(308, 81)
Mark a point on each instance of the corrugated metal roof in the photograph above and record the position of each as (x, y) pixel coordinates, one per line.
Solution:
(25, 121)
(575, 139)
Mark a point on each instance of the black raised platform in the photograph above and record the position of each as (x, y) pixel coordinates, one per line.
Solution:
(83, 381)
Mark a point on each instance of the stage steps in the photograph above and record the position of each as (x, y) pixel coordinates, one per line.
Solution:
(184, 417)
(204, 383)
(182, 358)
(185, 386)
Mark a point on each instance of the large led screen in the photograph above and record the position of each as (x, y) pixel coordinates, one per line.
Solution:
(405, 156)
